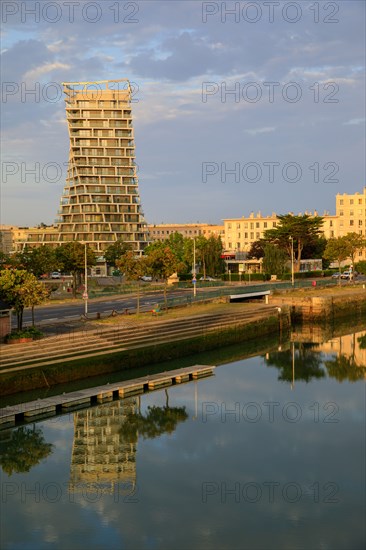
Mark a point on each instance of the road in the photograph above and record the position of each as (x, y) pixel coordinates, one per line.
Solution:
(69, 311)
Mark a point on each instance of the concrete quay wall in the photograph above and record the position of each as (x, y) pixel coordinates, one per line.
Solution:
(323, 308)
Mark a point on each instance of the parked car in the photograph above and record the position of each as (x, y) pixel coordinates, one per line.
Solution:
(55, 275)
(207, 279)
(346, 275)
(146, 278)
(336, 275)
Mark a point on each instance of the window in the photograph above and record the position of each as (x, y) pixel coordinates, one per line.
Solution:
(246, 235)
(351, 213)
(252, 235)
(359, 222)
(257, 235)
(341, 212)
(257, 225)
(351, 222)
(238, 246)
(239, 236)
(238, 226)
(265, 225)
(341, 201)
(230, 245)
(274, 224)
(351, 201)
(359, 201)
(229, 225)
(331, 223)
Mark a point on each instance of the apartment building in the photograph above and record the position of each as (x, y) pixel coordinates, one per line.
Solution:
(350, 216)
(160, 232)
(6, 238)
(241, 233)
(101, 203)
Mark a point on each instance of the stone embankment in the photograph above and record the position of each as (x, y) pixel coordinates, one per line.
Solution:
(324, 306)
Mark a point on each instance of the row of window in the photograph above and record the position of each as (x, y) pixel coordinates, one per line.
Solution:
(186, 232)
(352, 212)
(351, 201)
(252, 225)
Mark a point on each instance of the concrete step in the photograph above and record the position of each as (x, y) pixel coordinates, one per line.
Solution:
(118, 332)
(137, 340)
(87, 340)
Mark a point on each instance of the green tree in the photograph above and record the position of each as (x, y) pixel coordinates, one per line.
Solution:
(71, 258)
(305, 230)
(115, 251)
(38, 260)
(256, 251)
(181, 247)
(355, 243)
(134, 268)
(337, 249)
(208, 254)
(161, 263)
(361, 267)
(21, 289)
(24, 449)
(274, 260)
(5, 261)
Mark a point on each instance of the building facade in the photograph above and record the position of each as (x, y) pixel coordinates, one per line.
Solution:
(160, 232)
(100, 202)
(350, 216)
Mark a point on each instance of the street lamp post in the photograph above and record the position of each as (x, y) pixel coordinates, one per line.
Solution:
(85, 295)
(194, 268)
(292, 261)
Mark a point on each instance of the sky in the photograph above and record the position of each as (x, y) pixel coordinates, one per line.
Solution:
(238, 107)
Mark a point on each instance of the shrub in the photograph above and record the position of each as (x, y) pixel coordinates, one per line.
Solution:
(30, 332)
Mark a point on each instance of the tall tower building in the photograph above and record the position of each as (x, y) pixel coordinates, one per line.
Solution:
(100, 202)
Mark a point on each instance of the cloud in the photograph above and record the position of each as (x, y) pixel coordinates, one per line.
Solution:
(37, 72)
(355, 122)
(264, 130)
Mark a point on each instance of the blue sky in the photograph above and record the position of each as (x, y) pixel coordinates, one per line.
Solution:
(260, 109)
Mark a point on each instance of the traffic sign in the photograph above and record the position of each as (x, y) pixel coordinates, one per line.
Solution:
(194, 281)
(85, 295)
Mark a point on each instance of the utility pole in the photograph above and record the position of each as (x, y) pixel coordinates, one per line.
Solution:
(292, 261)
(194, 280)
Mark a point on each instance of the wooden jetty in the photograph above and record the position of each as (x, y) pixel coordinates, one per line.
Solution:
(59, 404)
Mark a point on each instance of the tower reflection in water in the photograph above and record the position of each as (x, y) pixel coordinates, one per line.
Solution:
(105, 442)
(102, 456)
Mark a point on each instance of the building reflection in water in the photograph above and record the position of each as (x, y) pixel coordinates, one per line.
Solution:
(308, 358)
(348, 345)
(101, 456)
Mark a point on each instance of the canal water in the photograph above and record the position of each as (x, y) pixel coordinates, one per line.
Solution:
(269, 453)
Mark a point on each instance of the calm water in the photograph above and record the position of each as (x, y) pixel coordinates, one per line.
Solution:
(267, 454)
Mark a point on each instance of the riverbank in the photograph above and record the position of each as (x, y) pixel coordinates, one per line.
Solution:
(124, 342)
(128, 342)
